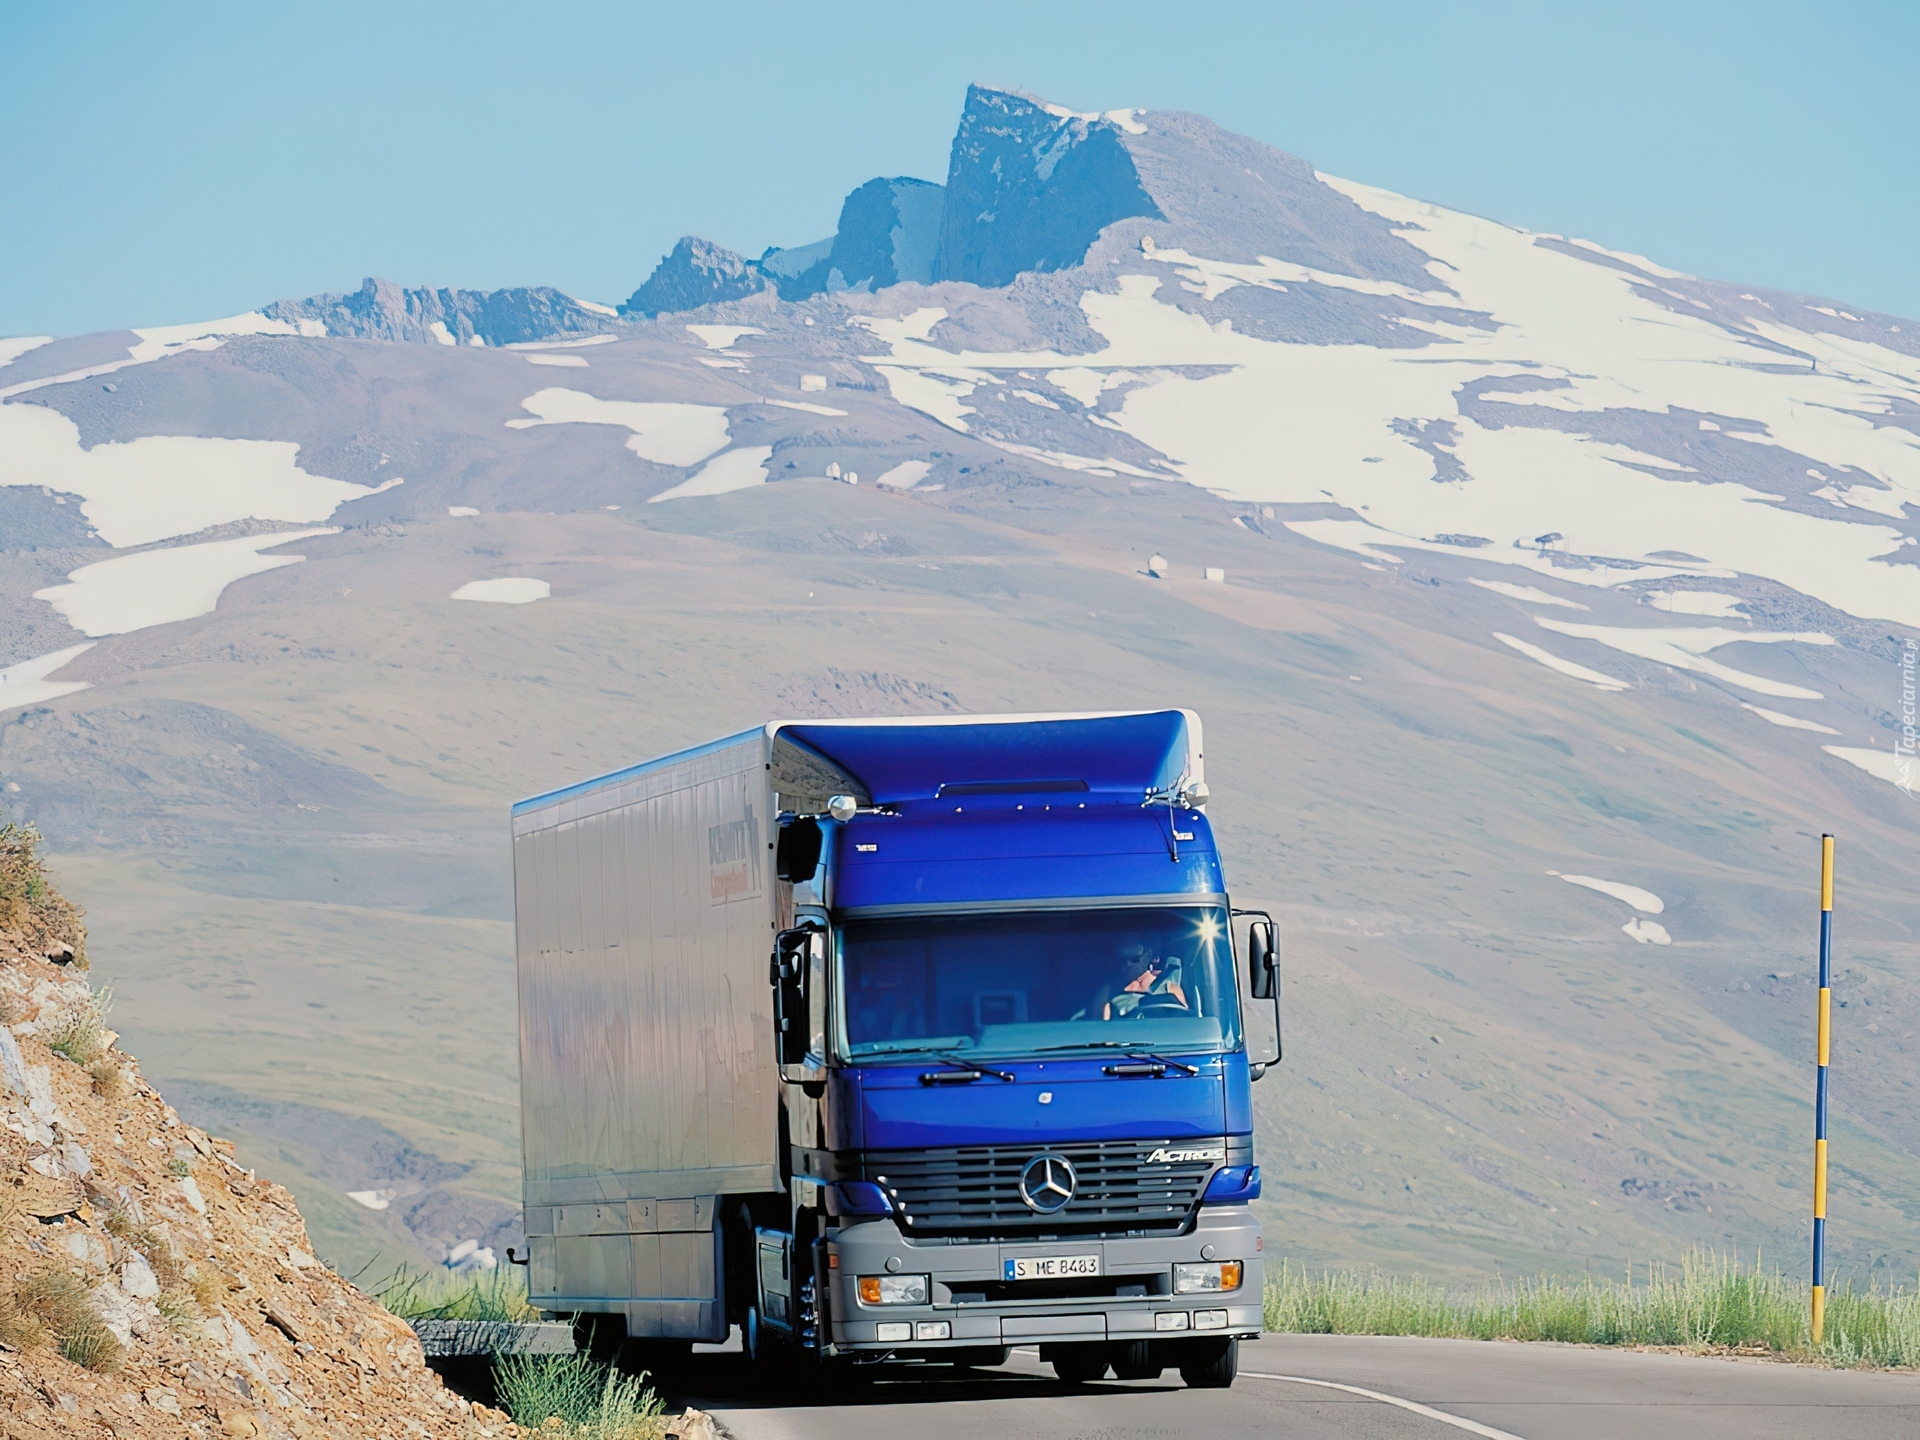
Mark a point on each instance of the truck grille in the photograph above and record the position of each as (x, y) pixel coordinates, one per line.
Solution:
(973, 1191)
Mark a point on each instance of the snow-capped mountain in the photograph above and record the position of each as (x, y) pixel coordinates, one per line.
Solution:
(1500, 560)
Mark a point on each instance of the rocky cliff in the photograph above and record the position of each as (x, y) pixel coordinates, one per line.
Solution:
(381, 310)
(695, 272)
(148, 1284)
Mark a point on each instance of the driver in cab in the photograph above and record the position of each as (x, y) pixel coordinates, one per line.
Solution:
(1149, 985)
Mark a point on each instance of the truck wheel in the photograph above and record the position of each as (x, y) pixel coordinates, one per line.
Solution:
(1210, 1364)
(1079, 1364)
(1136, 1360)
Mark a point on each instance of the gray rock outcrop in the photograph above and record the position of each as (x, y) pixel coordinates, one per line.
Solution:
(382, 310)
(695, 272)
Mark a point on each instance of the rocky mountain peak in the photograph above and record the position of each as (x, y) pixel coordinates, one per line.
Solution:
(382, 310)
(1030, 186)
(695, 272)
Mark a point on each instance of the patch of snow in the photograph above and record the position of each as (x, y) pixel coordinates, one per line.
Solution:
(582, 343)
(895, 330)
(933, 395)
(1710, 603)
(461, 510)
(1523, 592)
(905, 475)
(1124, 119)
(26, 682)
(593, 307)
(438, 329)
(1033, 398)
(1687, 650)
(470, 1256)
(1647, 932)
(13, 348)
(1565, 667)
(813, 382)
(799, 405)
(721, 363)
(158, 486)
(720, 337)
(665, 433)
(373, 1199)
(1774, 717)
(1067, 461)
(508, 590)
(1274, 421)
(735, 470)
(1640, 899)
(1639, 262)
(566, 361)
(158, 587)
(156, 342)
(1895, 769)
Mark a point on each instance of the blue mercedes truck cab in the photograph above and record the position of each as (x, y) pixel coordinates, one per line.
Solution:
(1000, 1088)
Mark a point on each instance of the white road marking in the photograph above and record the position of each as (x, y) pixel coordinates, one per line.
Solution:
(1471, 1426)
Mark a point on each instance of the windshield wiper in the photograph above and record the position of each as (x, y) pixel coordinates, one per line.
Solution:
(1134, 1052)
(1153, 1059)
(934, 1076)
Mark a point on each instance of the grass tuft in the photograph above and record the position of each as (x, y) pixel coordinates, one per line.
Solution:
(1707, 1301)
(109, 1080)
(81, 1037)
(57, 1304)
(578, 1398)
(497, 1294)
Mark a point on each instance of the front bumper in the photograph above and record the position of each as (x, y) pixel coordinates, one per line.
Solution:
(969, 1292)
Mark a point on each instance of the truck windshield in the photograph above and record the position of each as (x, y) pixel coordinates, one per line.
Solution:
(1022, 983)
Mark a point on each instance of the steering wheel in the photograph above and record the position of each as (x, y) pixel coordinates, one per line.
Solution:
(1158, 1002)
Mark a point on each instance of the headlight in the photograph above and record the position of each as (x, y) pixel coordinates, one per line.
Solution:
(1200, 1279)
(902, 1289)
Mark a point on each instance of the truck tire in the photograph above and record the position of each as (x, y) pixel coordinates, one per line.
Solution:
(1079, 1364)
(1210, 1364)
(1137, 1360)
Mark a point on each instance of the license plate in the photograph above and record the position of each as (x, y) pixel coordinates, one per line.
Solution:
(1052, 1267)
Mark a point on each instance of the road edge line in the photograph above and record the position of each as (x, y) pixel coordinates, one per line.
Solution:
(1487, 1432)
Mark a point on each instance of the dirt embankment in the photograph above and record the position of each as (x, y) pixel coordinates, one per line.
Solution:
(148, 1284)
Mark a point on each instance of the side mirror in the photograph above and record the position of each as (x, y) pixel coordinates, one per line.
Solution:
(1263, 961)
(792, 954)
(797, 855)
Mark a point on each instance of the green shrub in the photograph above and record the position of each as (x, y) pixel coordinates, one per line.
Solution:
(34, 915)
(590, 1400)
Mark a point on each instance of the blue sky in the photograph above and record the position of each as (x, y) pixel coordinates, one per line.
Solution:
(183, 161)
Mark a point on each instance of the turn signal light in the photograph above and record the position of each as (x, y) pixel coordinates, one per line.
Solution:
(1204, 1279)
(893, 1289)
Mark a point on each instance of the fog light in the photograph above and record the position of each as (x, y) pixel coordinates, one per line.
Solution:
(893, 1330)
(941, 1330)
(1170, 1320)
(1209, 1319)
(1202, 1279)
(893, 1290)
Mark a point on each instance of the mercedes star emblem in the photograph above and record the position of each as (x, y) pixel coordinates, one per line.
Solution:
(1047, 1183)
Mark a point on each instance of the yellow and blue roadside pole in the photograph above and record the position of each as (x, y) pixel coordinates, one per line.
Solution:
(1823, 1047)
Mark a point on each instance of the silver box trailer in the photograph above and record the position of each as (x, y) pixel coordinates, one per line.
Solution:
(645, 908)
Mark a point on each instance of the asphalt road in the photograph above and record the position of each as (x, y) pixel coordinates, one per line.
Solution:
(1495, 1391)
